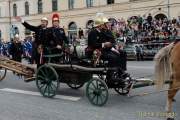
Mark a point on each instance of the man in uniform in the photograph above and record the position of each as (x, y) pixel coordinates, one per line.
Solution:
(41, 34)
(16, 49)
(101, 38)
(57, 37)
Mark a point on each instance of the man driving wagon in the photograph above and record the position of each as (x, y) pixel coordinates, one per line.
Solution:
(101, 40)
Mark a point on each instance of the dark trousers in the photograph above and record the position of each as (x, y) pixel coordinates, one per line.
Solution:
(114, 59)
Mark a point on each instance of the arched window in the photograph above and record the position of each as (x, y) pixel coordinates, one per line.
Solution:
(14, 10)
(54, 5)
(26, 8)
(40, 6)
(71, 4)
(160, 16)
(110, 1)
(89, 3)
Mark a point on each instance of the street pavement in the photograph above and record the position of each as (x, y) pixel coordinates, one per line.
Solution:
(21, 101)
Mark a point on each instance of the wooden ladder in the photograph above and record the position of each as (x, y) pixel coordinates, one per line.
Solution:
(27, 71)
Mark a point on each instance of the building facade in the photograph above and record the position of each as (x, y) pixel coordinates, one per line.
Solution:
(76, 14)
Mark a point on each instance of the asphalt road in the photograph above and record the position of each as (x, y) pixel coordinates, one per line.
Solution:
(20, 101)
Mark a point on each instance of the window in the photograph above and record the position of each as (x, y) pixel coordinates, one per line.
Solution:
(26, 8)
(89, 3)
(14, 10)
(71, 4)
(110, 1)
(40, 6)
(54, 5)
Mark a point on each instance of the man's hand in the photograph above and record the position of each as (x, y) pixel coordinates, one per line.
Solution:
(107, 44)
(59, 47)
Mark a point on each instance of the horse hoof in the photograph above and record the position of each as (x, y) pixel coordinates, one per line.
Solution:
(170, 118)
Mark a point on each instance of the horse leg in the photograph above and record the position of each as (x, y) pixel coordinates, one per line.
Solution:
(171, 95)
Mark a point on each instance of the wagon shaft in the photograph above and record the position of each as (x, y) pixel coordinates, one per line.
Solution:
(146, 83)
(17, 67)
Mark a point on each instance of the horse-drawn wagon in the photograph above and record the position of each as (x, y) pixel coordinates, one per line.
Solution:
(75, 72)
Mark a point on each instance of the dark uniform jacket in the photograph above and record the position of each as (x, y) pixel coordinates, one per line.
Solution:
(56, 37)
(96, 38)
(16, 50)
(41, 35)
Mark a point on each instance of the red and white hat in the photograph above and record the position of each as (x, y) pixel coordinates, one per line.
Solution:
(55, 17)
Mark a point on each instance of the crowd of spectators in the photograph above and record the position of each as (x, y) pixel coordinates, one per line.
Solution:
(27, 48)
(144, 29)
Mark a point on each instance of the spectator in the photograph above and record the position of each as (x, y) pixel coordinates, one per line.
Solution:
(149, 19)
(16, 49)
(81, 33)
(138, 53)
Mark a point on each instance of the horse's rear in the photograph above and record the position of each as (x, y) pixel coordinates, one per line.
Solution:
(168, 67)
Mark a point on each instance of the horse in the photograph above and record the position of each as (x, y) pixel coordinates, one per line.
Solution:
(167, 67)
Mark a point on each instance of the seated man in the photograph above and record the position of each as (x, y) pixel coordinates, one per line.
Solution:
(102, 39)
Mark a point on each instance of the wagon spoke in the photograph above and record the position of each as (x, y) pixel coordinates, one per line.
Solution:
(53, 86)
(41, 86)
(93, 85)
(43, 73)
(101, 98)
(97, 84)
(103, 95)
(97, 99)
(53, 90)
(93, 97)
(45, 90)
(91, 93)
(48, 91)
(40, 76)
(91, 89)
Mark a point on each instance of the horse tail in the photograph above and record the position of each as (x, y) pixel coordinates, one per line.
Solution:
(162, 66)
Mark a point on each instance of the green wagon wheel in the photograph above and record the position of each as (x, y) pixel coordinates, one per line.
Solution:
(97, 92)
(47, 81)
(3, 72)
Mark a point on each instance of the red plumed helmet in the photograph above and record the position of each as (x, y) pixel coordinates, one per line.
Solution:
(55, 17)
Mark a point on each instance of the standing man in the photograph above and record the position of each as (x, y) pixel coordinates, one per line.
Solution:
(58, 40)
(149, 19)
(16, 49)
(80, 33)
(41, 34)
